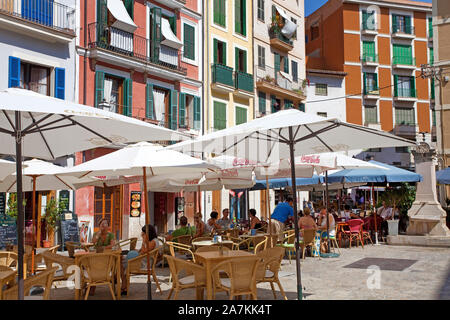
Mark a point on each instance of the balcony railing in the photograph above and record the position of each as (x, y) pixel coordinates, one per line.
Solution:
(276, 78)
(222, 74)
(405, 29)
(44, 12)
(244, 81)
(404, 60)
(371, 90)
(129, 44)
(405, 93)
(369, 58)
(274, 34)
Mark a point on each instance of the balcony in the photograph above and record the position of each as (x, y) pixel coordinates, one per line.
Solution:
(244, 84)
(222, 78)
(371, 92)
(369, 60)
(405, 94)
(43, 19)
(279, 41)
(173, 4)
(368, 30)
(128, 50)
(275, 83)
(371, 125)
(404, 62)
(403, 32)
(406, 130)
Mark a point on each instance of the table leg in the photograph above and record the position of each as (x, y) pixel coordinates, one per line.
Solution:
(208, 281)
(77, 294)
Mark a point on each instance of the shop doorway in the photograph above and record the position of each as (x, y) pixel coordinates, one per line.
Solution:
(108, 205)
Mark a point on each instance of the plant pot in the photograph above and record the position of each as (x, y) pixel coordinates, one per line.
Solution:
(46, 243)
(51, 235)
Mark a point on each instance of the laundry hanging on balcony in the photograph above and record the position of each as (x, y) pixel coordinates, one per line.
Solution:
(170, 39)
(289, 26)
(123, 19)
(284, 80)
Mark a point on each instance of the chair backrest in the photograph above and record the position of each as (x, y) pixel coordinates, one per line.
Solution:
(233, 233)
(174, 246)
(186, 239)
(271, 259)
(241, 272)
(261, 245)
(176, 266)
(201, 239)
(27, 248)
(274, 241)
(99, 266)
(308, 236)
(355, 225)
(53, 249)
(5, 268)
(71, 246)
(7, 258)
(211, 248)
(133, 242)
(43, 279)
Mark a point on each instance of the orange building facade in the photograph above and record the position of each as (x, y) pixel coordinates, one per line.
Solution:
(381, 45)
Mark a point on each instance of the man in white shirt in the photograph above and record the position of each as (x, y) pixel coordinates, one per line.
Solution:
(348, 214)
(385, 212)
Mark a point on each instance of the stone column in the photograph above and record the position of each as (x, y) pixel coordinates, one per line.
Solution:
(426, 216)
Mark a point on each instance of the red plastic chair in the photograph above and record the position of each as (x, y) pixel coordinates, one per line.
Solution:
(354, 232)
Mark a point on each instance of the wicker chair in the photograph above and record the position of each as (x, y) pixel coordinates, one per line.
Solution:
(262, 245)
(196, 277)
(132, 242)
(288, 244)
(274, 242)
(39, 264)
(211, 248)
(186, 239)
(271, 264)
(254, 241)
(241, 274)
(43, 279)
(180, 248)
(98, 269)
(135, 267)
(51, 259)
(202, 239)
(233, 233)
(239, 243)
(8, 258)
(308, 240)
(71, 246)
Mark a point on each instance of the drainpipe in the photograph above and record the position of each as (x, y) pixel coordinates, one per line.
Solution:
(85, 52)
(205, 95)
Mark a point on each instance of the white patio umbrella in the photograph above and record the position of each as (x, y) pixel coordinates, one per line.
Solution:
(35, 125)
(286, 134)
(6, 168)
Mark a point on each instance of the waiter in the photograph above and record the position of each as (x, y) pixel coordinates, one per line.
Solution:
(283, 213)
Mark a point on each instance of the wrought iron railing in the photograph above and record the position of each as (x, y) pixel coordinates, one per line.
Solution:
(405, 93)
(369, 58)
(405, 29)
(275, 34)
(371, 90)
(126, 43)
(44, 12)
(269, 75)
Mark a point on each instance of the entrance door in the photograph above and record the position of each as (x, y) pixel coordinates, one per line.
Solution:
(108, 205)
(160, 211)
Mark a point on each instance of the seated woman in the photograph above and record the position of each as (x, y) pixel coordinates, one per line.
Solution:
(307, 222)
(148, 244)
(199, 225)
(103, 239)
(255, 223)
(211, 224)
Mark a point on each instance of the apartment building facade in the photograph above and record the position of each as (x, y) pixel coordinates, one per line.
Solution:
(141, 59)
(37, 53)
(381, 45)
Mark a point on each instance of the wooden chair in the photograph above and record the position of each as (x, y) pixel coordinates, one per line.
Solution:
(241, 274)
(333, 239)
(288, 244)
(8, 258)
(308, 240)
(271, 264)
(354, 232)
(98, 269)
(211, 248)
(186, 239)
(64, 262)
(137, 266)
(195, 278)
(43, 279)
(39, 264)
(365, 233)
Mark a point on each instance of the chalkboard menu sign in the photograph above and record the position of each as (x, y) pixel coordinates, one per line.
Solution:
(69, 230)
(2, 204)
(8, 233)
(64, 197)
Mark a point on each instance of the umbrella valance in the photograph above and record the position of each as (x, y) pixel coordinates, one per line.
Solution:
(443, 176)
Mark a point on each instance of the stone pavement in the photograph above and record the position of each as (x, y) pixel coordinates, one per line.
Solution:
(405, 273)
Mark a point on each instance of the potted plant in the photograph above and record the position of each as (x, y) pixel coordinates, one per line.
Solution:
(400, 199)
(53, 211)
(11, 211)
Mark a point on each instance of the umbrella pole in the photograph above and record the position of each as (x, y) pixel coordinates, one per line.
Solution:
(375, 220)
(147, 221)
(20, 211)
(268, 209)
(34, 215)
(328, 214)
(294, 190)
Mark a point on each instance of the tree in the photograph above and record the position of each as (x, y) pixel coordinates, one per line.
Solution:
(11, 211)
(53, 211)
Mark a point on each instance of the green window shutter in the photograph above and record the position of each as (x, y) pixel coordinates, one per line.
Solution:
(244, 17)
(224, 55)
(223, 12)
(219, 115)
(431, 56)
(286, 64)
(99, 87)
(197, 113)
(236, 59)
(149, 102)
(182, 113)
(394, 22)
(277, 63)
(408, 27)
(216, 50)
(364, 18)
(245, 62)
(241, 115)
(102, 12)
(156, 33)
(216, 18)
(237, 17)
(261, 101)
(301, 107)
(273, 101)
(173, 24)
(128, 98)
(395, 85)
(365, 82)
(189, 41)
(129, 5)
(294, 66)
(413, 87)
(173, 109)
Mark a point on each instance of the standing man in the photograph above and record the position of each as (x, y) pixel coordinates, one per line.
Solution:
(281, 215)
(386, 213)
(224, 222)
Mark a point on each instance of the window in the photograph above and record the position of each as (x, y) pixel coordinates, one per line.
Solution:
(261, 10)
(240, 60)
(402, 149)
(369, 54)
(35, 78)
(321, 89)
(369, 23)
(405, 116)
(314, 32)
(189, 111)
(403, 55)
(240, 17)
(294, 67)
(261, 57)
(220, 115)
(241, 115)
(370, 114)
(129, 5)
(115, 91)
(220, 12)
(431, 56)
(370, 83)
(404, 87)
(401, 24)
(430, 27)
(301, 107)
(262, 102)
(288, 104)
(189, 42)
(275, 104)
(322, 114)
(220, 53)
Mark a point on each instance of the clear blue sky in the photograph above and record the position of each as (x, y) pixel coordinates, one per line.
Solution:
(313, 5)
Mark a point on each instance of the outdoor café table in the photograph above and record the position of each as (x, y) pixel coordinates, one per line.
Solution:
(6, 277)
(79, 254)
(205, 243)
(210, 259)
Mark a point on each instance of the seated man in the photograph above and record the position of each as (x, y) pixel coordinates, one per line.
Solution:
(224, 222)
(183, 230)
(348, 214)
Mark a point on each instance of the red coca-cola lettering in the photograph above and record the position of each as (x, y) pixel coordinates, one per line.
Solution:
(310, 159)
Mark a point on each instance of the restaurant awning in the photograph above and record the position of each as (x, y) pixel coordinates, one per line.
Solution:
(171, 39)
(123, 19)
(289, 26)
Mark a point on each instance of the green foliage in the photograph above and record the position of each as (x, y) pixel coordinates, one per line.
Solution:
(11, 211)
(401, 197)
(53, 211)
